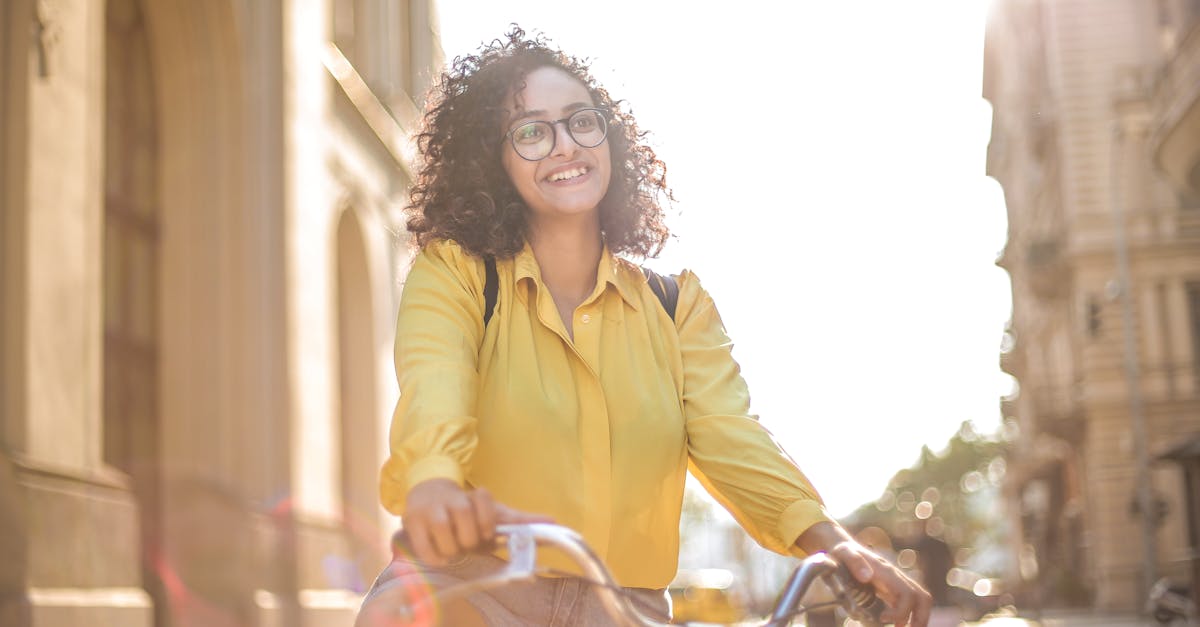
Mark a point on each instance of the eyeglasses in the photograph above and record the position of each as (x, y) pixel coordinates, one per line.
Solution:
(534, 141)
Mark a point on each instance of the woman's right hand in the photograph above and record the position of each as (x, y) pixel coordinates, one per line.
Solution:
(443, 520)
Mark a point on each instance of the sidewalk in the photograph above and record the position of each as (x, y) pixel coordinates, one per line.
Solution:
(1059, 618)
(1069, 618)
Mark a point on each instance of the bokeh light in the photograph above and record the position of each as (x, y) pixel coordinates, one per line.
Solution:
(972, 482)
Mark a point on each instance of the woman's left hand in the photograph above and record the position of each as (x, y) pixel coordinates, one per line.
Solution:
(908, 603)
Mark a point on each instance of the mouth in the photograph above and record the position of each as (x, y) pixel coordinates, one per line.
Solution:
(567, 175)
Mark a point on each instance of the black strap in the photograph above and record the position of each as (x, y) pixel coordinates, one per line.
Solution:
(491, 285)
(664, 287)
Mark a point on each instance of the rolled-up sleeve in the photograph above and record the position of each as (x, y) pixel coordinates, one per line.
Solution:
(438, 330)
(730, 452)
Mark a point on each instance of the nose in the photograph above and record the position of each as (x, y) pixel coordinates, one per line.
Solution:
(564, 144)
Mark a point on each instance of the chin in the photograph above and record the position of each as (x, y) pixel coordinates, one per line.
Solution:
(572, 207)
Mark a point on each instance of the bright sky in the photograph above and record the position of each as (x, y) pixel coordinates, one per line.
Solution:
(828, 164)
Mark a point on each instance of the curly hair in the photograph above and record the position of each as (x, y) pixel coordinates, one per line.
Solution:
(463, 193)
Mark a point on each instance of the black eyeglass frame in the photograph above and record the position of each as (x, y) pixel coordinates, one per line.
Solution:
(554, 133)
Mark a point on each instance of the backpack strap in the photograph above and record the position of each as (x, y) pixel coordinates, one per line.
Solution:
(666, 288)
(491, 286)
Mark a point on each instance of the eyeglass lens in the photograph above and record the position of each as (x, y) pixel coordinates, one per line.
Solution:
(535, 140)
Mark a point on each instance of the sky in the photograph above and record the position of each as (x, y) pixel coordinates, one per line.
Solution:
(828, 165)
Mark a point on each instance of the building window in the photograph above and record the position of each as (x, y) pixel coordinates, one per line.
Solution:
(1093, 320)
(1193, 300)
(130, 244)
(130, 273)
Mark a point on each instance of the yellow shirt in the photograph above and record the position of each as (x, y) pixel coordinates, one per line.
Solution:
(597, 433)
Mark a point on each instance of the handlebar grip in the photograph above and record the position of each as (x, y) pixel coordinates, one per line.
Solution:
(867, 607)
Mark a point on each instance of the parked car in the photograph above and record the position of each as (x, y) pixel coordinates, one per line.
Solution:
(705, 595)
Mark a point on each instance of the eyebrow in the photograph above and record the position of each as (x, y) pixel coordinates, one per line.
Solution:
(541, 113)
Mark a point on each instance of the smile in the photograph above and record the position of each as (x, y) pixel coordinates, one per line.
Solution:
(566, 175)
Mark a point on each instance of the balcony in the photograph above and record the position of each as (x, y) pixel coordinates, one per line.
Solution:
(1175, 139)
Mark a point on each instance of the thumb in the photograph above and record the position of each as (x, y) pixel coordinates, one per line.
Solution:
(506, 515)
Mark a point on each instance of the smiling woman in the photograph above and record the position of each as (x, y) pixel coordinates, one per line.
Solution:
(583, 398)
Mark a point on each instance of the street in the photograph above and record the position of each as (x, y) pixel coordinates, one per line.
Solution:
(1051, 618)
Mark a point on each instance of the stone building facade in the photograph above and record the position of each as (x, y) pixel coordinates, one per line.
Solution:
(199, 273)
(1096, 142)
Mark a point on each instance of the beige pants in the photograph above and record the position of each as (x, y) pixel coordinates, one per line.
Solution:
(549, 601)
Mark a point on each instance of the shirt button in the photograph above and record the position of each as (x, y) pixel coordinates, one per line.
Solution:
(586, 318)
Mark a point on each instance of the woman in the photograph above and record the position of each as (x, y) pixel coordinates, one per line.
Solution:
(575, 395)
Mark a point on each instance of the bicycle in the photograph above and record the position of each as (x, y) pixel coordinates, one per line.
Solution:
(857, 600)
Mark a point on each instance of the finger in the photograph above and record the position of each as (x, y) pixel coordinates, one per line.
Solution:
(418, 537)
(485, 513)
(924, 609)
(441, 535)
(462, 515)
(904, 608)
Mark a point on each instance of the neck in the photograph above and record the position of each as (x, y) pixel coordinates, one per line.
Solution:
(568, 255)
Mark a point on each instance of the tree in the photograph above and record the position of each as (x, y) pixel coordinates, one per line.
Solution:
(942, 517)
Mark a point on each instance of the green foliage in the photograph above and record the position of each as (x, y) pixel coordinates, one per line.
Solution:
(952, 495)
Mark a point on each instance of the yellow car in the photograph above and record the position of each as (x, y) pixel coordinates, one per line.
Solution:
(704, 595)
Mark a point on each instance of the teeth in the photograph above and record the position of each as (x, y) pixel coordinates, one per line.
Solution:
(567, 174)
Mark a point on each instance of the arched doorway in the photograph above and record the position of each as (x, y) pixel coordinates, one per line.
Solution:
(359, 424)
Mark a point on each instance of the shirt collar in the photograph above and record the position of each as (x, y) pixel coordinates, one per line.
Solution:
(525, 266)
(612, 269)
(618, 272)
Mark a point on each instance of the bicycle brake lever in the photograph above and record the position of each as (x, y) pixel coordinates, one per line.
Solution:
(861, 602)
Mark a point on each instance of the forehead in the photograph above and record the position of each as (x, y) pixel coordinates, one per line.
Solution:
(548, 89)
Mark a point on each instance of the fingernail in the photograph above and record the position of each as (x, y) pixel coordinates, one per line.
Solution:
(864, 573)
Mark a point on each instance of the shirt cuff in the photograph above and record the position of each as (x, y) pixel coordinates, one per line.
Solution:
(797, 518)
(434, 467)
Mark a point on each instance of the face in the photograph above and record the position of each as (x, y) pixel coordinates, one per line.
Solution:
(572, 179)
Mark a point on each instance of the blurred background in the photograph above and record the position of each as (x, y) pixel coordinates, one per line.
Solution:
(894, 204)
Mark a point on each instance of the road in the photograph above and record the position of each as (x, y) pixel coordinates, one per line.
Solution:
(1055, 618)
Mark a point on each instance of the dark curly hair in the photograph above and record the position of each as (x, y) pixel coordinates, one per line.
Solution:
(463, 193)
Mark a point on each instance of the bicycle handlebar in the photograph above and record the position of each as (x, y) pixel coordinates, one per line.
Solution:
(522, 541)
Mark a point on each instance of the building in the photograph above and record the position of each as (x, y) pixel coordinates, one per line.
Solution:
(199, 279)
(1096, 142)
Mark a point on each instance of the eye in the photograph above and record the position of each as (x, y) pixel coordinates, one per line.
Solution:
(584, 121)
(530, 133)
